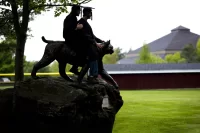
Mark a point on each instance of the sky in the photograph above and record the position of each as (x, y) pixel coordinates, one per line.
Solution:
(128, 23)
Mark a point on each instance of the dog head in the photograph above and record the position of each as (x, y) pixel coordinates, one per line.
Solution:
(107, 48)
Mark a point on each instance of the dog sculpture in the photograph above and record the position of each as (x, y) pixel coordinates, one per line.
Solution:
(58, 50)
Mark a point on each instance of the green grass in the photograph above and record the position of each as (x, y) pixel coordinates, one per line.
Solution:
(159, 111)
(4, 87)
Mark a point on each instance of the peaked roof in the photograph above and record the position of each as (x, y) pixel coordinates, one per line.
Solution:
(179, 28)
(176, 40)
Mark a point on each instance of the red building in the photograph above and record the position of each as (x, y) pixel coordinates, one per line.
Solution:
(155, 76)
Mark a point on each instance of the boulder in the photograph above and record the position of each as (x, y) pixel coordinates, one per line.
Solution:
(6, 99)
(53, 105)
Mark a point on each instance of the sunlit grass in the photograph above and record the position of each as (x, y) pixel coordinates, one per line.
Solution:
(159, 111)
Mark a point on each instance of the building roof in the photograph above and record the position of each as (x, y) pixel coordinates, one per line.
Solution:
(129, 60)
(179, 28)
(152, 68)
(176, 40)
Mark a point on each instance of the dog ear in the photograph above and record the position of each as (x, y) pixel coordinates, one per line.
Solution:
(106, 44)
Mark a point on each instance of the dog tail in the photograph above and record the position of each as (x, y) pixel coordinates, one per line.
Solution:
(45, 40)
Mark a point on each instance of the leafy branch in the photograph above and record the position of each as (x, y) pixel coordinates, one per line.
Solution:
(84, 2)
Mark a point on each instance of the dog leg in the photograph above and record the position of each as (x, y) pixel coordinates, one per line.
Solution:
(82, 73)
(107, 77)
(62, 72)
(45, 61)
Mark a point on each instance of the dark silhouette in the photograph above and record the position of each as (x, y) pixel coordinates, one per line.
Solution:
(70, 27)
(90, 44)
(58, 50)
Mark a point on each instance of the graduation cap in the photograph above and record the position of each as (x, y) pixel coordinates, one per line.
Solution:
(78, 6)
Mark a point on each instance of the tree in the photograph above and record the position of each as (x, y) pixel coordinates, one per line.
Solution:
(21, 13)
(189, 52)
(145, 57)
(7, 56)
(198, 50)
(175, 58)
(113, 58)
(6, 27)
(7, 42)
(119, 53)
(156, 59)
(110, 59)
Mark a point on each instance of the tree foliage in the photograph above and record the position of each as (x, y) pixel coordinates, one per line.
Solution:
(7, 56)
(145, 57)
(198, 50)
(175, 58)
(119, 53)
(113, 58)
(20, 12)
(155, 59)
(6, 27)
(189, 52)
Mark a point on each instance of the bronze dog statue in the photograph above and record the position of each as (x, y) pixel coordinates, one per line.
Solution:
(58, 50)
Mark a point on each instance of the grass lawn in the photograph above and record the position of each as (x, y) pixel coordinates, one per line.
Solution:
(159, 111)
(4, 87)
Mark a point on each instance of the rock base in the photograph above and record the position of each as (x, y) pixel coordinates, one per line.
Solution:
(53, 105)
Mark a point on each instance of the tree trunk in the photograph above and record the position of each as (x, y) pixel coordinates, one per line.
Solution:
(19, 61)
(20, 30)
(19, 72)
